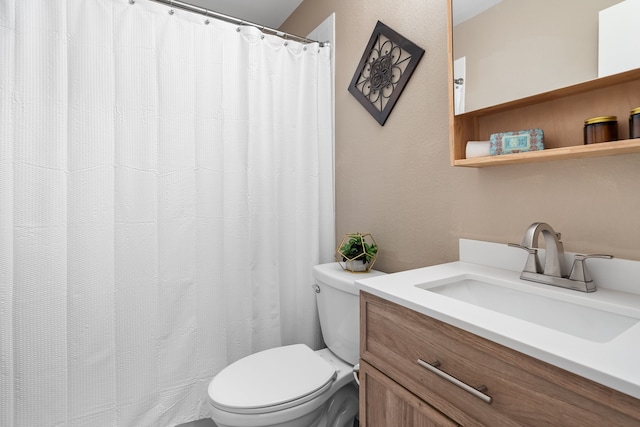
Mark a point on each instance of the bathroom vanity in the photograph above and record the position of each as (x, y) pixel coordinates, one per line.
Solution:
(522, 389)
(428, 358)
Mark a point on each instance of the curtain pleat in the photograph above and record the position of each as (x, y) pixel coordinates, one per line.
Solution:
(165, 188)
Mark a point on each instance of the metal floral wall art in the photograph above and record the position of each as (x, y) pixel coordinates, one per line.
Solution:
(385, 68)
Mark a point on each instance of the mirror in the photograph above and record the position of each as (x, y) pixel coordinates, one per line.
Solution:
(512, 49)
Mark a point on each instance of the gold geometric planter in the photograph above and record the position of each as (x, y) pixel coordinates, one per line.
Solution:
(357, 252)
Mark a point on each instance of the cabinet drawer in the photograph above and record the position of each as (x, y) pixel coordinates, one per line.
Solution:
(384, 403)
(523, 390)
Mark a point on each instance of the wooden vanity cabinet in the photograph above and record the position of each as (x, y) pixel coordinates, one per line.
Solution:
(524, 391)
(389, 404)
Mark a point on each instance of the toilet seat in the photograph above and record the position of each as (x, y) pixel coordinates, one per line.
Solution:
(271, 380)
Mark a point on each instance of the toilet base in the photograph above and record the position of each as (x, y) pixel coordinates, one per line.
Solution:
(342, 409)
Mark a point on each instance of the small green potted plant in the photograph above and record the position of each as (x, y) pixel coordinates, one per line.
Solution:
(357, 252)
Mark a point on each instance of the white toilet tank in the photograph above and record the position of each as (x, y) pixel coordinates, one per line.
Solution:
(339, 309)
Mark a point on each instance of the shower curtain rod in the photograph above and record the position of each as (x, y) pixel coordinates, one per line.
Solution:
(216, 15)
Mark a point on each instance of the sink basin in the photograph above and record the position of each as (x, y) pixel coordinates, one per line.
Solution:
(582, 321)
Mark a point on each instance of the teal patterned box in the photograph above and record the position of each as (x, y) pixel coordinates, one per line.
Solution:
(516, 142)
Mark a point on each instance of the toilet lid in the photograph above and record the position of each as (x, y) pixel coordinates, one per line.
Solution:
(271, 380)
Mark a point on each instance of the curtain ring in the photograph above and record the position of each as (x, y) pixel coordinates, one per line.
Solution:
(206, 20)
(171, 10)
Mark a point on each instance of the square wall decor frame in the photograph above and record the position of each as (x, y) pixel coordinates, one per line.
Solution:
(384, 70)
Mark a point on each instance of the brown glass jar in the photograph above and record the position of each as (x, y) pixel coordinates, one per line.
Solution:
(634, 123)
(600, 129)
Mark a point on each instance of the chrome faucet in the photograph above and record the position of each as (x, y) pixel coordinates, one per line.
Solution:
(554, 264)
(554, 271)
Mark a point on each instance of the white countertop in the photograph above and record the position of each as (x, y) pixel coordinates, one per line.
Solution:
(615, 363)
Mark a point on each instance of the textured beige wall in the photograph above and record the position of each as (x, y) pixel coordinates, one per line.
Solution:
(395, 181)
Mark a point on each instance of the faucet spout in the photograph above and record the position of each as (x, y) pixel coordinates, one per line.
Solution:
(554, 271)
(554, 263)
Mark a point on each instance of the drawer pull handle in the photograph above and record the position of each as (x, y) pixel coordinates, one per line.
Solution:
(477, 392)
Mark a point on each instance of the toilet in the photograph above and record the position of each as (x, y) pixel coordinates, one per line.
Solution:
(294, 386)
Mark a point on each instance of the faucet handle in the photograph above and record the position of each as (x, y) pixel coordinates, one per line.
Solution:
(583, 257)
(532, 260)
(526, 248)
(579, 270)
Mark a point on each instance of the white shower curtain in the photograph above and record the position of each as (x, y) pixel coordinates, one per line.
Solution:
(166, 186)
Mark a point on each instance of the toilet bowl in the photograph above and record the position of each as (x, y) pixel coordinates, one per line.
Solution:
(290, 386)
(294, 386)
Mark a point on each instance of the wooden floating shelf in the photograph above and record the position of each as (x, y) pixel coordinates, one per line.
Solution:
(560, 114)
(626, 146)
